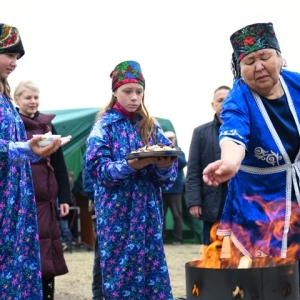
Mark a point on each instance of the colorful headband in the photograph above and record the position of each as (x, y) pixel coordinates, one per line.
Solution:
(252, 38)
(10, 40)
(127, 72)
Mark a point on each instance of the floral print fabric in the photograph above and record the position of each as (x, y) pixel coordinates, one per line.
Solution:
(129, 211)
(20, 273)
(10, 40)
(9, 36)
(126, 72)
(252, 38)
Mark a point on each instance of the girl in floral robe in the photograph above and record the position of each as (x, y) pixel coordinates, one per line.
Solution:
(128, 197)
(20, 270)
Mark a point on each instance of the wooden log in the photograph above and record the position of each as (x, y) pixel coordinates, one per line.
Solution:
(245, 262)
(226, 247)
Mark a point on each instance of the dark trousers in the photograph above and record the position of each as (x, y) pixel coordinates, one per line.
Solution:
(174, 201)
(48, 289)
(206, 232)
(97, 275)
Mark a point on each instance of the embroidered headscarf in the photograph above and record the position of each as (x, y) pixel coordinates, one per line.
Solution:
(127, 72)
(252, 38)
(10, 40)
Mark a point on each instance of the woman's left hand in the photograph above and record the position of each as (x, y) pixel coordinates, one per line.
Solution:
(64, 209)
(164, 162)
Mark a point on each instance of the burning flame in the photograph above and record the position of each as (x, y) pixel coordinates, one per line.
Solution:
(263, 250)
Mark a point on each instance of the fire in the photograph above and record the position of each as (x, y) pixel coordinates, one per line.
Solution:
(263, 250)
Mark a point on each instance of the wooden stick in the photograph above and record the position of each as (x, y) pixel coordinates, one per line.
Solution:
(225, 251)
(245, 262)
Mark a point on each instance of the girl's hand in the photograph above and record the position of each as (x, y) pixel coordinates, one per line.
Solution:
(161, 162)
(65, 139)
(140, 163)
(44, 151)
(164, 162)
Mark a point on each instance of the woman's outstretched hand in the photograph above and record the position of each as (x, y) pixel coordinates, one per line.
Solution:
(224, 169)
(218, 172)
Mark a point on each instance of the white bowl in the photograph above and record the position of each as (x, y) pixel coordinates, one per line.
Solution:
(47, 139)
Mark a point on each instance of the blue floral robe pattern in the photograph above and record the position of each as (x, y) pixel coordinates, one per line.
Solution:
(20, 273)
(265, 192)
(129, 211)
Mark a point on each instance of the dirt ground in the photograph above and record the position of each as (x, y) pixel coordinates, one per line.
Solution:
(76, 285)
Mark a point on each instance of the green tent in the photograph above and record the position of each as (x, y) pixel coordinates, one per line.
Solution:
(78, 123)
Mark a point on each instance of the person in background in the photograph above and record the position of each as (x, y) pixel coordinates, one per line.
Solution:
(128, 200)
(88, 188)
(51, 182)
(20, 276)
(172, 198)
(203, 201)
(260, 155)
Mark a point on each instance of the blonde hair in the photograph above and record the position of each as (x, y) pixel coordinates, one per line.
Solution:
(22, 86)
(147, 124)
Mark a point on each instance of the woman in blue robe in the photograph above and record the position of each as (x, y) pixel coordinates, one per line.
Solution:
(260, 142)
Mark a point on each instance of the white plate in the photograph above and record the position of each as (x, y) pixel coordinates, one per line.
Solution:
(47, 139)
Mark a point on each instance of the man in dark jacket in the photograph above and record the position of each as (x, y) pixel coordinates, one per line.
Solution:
(88, 188)
(203, 201)
(173, 197)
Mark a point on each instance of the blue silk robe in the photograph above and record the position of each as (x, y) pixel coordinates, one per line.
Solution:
(263, 198)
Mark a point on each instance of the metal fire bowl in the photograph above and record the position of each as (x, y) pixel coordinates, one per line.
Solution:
(274, 282)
